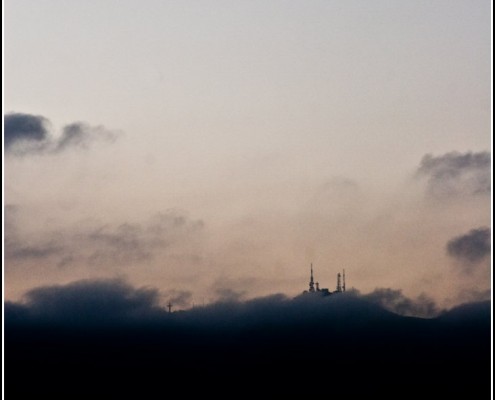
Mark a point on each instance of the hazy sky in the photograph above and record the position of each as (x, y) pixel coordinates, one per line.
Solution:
(217, 148)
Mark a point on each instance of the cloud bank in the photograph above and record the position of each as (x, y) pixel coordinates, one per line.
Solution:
(95, 302)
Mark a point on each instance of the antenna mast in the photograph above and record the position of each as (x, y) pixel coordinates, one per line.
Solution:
(311, 281)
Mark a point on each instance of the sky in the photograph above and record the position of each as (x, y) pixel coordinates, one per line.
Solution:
(215, 149)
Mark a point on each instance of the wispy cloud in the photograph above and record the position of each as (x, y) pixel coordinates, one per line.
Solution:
(104, 244)
(115, 301)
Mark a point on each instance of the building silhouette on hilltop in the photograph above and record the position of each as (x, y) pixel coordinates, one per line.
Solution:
(314, 287)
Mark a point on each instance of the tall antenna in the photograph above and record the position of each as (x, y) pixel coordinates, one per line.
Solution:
(311, 281)
(343, 280)
(339, 284)
(169, 305)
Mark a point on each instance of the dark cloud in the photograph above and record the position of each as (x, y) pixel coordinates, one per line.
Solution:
(395, 301)
(27, 134)
(105, 245)
(457, 173)
(471, 248)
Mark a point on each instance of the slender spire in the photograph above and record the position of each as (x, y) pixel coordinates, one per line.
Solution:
(311, 281)
(339, 285)
(343, 280)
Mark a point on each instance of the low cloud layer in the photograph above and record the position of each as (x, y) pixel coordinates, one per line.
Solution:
(471, 248)
(30, 134)
(115, 301)
(456, 173)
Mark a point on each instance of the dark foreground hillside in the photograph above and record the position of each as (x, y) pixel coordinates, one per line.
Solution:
(265, 348)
